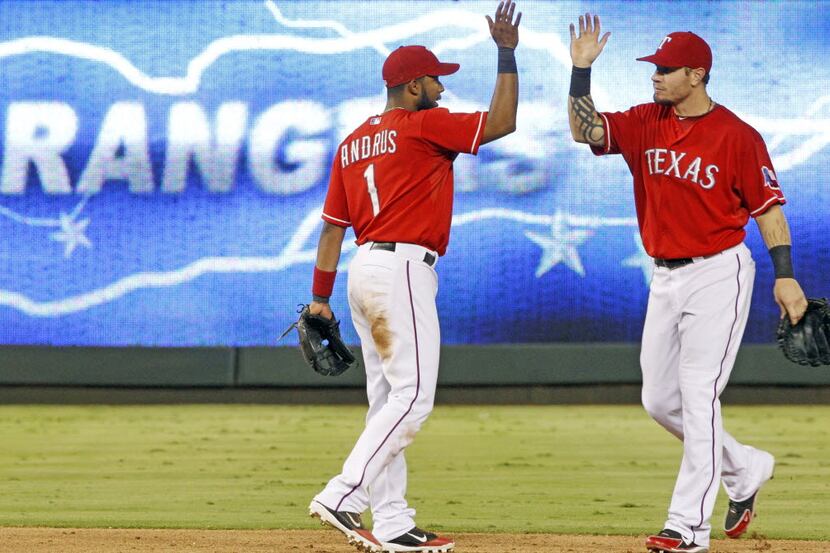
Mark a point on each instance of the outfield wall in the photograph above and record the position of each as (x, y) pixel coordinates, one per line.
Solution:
(461, 366)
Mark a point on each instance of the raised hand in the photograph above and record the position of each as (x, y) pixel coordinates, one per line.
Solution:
(505, 33)
(587, 47)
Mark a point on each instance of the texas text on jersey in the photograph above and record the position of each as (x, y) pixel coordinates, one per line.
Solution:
(696, 183)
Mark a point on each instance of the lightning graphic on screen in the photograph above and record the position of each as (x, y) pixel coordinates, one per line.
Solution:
(806, 135)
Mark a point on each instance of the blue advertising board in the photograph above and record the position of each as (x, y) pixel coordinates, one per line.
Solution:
(164, 163)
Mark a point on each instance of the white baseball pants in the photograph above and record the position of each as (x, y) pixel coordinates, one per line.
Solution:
(392, 299)
(694, 324)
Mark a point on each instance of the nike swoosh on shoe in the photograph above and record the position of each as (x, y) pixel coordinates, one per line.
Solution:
(355, 523)
(422, 539)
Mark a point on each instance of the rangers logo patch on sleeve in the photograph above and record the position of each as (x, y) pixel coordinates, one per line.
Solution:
(770, 179)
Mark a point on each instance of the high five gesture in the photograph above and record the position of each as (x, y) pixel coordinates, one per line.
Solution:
(587, 47)
(501, 118)
(587, 126)
(505, 33)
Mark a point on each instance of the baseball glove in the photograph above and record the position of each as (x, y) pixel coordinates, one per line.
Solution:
(808, 342)
(320, 343)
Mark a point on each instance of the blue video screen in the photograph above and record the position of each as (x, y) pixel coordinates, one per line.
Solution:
(163, 164)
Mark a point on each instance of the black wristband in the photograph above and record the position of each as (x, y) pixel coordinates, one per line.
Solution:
(580, 81)
(320, 299)
(507, 60)
(782, 261)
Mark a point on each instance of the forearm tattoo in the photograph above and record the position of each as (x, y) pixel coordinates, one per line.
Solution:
(588, 121)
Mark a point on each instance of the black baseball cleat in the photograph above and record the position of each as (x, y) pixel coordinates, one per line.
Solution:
(348, 523)
(738, 516)
(670, 541)
(418, 540)
(740, 513)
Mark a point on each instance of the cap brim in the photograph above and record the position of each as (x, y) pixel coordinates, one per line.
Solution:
(436, 71)
(446, 69)
(663, 62)
(654, 58)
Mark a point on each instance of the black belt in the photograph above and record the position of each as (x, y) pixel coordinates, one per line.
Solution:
(429, 259)
(678, 262)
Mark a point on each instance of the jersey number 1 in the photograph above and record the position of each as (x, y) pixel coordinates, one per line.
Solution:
(369, 175)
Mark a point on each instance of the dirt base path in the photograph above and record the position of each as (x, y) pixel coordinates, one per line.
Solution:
(65, 540)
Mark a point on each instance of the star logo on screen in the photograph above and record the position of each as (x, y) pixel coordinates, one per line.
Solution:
(560, 247)
(71, 233)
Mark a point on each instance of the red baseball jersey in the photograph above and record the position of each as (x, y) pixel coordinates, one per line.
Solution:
(392, 177)
(696, 180)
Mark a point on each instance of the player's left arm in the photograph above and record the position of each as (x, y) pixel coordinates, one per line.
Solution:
(501, 119)
(776, 234)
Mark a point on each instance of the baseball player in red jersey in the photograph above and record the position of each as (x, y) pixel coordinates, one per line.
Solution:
(699, 174)
(392, 181)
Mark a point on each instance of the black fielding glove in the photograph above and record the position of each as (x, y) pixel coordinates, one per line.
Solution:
(321, 345)
(808, 342)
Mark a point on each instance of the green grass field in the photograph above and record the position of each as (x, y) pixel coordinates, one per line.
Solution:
(560, 469)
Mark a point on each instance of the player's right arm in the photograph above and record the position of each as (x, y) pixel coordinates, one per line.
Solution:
(587, 126)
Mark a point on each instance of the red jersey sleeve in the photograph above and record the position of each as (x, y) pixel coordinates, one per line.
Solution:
(756, 179)
(336, 208)
(621, 131)
(457, 132)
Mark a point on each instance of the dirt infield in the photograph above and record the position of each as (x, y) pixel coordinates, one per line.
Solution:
(64, 540)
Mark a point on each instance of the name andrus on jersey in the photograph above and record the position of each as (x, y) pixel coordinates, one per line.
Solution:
(668, 162)
(364, 147)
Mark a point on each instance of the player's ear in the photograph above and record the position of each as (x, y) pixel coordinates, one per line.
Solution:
(696, 75)
(414, 87)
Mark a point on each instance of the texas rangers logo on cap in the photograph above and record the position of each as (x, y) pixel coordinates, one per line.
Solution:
(770, 179)
(682, 49)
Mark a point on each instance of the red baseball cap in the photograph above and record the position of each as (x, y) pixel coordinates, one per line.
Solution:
(682, 49)
(411, 62)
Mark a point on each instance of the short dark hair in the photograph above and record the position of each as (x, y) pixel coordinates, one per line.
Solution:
(396, 90)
